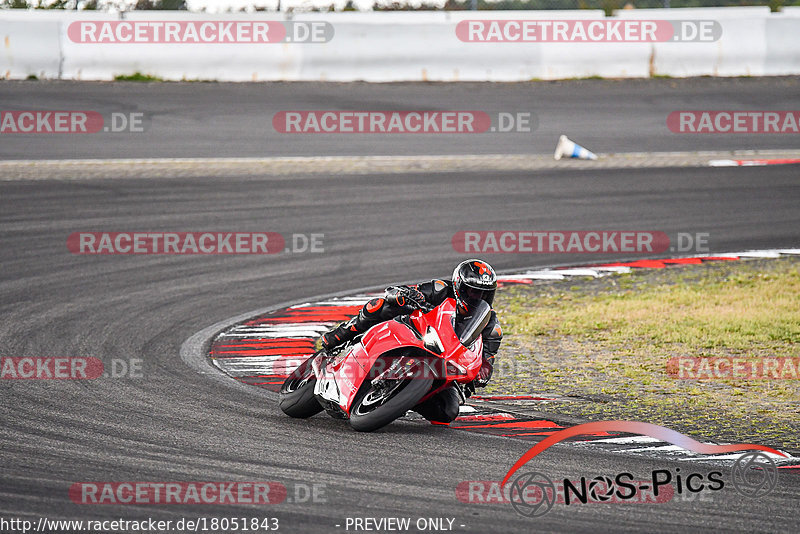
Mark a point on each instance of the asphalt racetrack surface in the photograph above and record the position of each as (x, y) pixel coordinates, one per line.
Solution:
(183, 120)
(173, 424)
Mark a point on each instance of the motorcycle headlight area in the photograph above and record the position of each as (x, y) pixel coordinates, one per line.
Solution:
(432, 342)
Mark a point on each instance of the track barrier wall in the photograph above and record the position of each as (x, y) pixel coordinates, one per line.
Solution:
(403, 46)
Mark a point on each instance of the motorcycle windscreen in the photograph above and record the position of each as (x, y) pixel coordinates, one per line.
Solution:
(470, 328)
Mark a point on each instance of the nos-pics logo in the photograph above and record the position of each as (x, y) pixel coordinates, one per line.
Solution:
(532, 493)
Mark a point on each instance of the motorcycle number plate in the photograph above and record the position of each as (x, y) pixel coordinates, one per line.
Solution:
(326, 386)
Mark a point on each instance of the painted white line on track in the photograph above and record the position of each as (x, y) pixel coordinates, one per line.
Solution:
(537, 275)
(772, 253)
(735, 456)
(626, 440)
(579, 272)
(613, 269)
(279, 328)
(249, 361)
(349, 302)
(288, 333)
(662, 448)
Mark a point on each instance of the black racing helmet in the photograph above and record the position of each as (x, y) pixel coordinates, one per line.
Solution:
(473, 281)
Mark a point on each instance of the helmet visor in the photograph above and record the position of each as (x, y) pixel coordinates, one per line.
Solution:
(472, 296)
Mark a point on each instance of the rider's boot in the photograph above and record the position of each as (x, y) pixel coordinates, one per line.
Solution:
(340, 335)
(442, 407)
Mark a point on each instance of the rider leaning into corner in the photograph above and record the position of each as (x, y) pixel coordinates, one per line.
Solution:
(473, 281)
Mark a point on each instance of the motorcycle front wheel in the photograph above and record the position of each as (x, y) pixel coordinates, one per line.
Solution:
(382, 404)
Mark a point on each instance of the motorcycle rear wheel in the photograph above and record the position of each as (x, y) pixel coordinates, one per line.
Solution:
(297, 392)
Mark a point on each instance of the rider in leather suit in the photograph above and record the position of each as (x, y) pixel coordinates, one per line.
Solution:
(473, 280)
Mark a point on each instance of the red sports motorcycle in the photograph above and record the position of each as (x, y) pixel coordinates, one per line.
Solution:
(395, 366)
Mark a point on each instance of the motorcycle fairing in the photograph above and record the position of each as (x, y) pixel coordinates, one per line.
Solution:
(340, 380)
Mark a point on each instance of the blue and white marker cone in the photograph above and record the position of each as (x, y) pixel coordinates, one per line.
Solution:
(570, 149)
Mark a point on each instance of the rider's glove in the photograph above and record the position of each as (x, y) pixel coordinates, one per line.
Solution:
(406, 296)
(485, 374)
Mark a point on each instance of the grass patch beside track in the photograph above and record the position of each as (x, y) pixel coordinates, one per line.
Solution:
(137, 77)
(607, 341)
